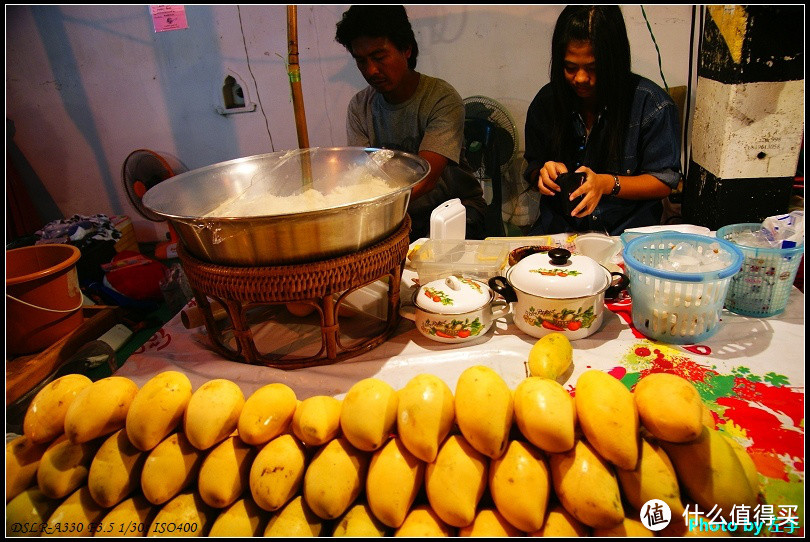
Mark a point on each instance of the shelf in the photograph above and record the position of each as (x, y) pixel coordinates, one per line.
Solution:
(23, 373)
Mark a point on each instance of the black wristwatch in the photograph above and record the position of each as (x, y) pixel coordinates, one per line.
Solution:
(616, 185)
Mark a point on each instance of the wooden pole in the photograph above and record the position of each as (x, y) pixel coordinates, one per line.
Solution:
(294, 72)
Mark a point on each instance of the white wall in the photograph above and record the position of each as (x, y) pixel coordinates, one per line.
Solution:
(87, 85)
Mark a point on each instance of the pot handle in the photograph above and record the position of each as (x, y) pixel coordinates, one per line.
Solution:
(616, 286)
(501, 285)
(408, 311)
(499, 308)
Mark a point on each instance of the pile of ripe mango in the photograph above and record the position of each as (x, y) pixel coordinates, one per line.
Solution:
(108, 458)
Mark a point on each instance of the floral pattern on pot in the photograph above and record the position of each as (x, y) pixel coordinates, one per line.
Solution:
(559, 320)
(438, 296)
(557, 272)
(471, 283)
(452, 329)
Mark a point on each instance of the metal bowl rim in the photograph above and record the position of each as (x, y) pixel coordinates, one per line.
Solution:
(360, 203)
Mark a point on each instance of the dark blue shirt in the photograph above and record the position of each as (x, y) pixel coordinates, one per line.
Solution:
(652, 146)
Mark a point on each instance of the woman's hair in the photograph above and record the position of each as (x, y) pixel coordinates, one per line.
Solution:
(378, 22)
(603, 26)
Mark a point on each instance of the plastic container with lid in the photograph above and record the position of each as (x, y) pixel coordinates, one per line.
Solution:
(441, 258)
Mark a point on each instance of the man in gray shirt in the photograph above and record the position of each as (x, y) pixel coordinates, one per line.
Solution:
(405, 110)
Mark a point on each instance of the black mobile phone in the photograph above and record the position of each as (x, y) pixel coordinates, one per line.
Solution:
(568, 182)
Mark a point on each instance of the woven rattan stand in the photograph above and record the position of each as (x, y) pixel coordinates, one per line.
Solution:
(315, 283)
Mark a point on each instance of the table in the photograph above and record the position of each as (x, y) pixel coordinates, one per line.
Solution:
(750, 373)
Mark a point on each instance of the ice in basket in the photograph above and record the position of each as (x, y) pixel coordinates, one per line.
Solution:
(675, 306)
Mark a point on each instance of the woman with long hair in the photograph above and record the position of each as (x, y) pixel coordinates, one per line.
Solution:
(619, 131)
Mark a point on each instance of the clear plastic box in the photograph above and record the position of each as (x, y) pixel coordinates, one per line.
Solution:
(439, 258)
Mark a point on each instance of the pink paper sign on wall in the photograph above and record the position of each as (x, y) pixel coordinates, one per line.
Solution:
(168, 18)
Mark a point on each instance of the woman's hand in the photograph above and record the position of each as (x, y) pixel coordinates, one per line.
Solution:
(592, 190)
(548, 174)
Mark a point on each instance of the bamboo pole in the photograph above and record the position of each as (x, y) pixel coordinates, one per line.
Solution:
(294, 73)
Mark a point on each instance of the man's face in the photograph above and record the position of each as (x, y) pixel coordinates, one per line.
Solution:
(383, 65)
(579, 66)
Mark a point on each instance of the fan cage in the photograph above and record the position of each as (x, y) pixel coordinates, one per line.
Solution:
(498, 115)
(150, 168)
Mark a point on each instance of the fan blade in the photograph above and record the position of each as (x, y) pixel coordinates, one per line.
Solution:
(139, 188)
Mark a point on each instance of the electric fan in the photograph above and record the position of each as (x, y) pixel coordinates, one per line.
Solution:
(142, 170)
(492, 143)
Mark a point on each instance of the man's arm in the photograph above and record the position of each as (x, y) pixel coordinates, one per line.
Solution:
(437, 164)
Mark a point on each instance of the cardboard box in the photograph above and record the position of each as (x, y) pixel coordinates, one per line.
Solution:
(127, 241)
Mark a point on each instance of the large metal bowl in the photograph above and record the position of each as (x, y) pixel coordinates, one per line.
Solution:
(190, 201)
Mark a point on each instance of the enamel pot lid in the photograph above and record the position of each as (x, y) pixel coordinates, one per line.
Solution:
(558, 274)
(453, 295)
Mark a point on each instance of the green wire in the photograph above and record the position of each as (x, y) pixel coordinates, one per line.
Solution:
(660, 68)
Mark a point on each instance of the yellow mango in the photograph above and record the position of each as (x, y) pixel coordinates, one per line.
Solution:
(225, 472)
(489, 522)
(316, 420)
(45, 417)
(171, 467)
(131, 517)
(629, 528)
(295, 519)
(212, 413)
(358, 521)
(277, 471)
(267, 413)
(608, 417)
(545, 414)
(394, 479)
(27, 513)
(669, 407)
(425, 415)
(551, 356)
(75, 515)
(243, 518)
(22, 461)
(707, 417)
(423, 522)
(334, 478)
(99, 409)
(158, 409)
(184, 515)
(653, 478)
(710, 472)
(484, 410)
(368, 414)
(751, 473)
(520, 485)
(456, 481)
(586, 486)
(559, 523)
(64, 466)
(115, 471)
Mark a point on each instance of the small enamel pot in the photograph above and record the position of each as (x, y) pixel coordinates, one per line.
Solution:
(557, 291)
(454, 309)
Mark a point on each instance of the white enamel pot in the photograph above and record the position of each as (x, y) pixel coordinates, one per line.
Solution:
(557, 291)
(454, 309)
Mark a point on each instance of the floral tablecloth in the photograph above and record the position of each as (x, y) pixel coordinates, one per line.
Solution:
(750, 374)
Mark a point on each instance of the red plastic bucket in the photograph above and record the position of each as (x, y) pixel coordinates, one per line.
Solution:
(43, 298)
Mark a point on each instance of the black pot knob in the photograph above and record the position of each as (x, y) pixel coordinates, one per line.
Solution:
(559, 256)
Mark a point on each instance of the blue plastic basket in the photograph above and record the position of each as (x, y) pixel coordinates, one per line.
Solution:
(763, 286)
(673, 307)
